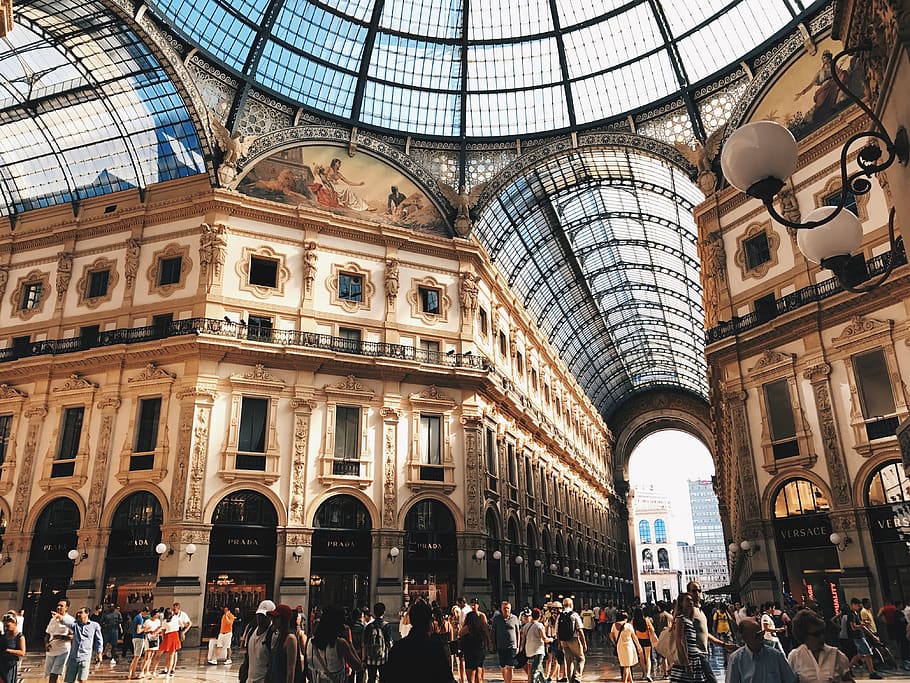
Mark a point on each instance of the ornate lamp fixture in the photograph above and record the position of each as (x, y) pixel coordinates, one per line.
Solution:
(759, 157)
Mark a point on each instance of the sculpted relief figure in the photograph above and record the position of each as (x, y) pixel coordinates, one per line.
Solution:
(234, 147)
(391, 279)
(468, 292)
(462, 200)
(310, 258)
(702, 158)
(131, 266)
(212, 250)
(713, 272)
(64, 273)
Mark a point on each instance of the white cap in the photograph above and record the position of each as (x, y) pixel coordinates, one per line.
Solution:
(265, 607)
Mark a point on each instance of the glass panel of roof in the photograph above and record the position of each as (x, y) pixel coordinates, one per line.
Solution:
(416, 63)
(306, 80)
(314, 31)
(508, 114)
(507, 66)
(428, 18)
(614, 41)
(735, 32)
(683, 15)
(571, 13)
(211, 25)
(502, 19)
(360, 10)
(421, 112)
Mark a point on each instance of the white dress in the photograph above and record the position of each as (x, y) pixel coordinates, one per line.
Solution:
(625, 646)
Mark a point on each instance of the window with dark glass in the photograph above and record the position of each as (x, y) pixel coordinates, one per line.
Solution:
(169, 270)
(347, 432)
(663, 559)
(88, 335)
(71, 433)
(259, 327)
(544, 494)
(253, 423)
(6, 422)
(349, 339)
(31, 295)
(97, 283)
(490, 447)
(482, 321)
(263, 271)
(529, 478)
(162, 321)
(519, 363)
(350, 287)
(874, 384)
(429, 300)
(147, 428)
(503, 346)
(757, 250)
(833, 199)
(781, 422)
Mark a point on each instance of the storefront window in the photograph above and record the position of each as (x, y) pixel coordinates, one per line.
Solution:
(131, 569)
(430, 564)
(888, 508)
(342, 553)
(799, 497)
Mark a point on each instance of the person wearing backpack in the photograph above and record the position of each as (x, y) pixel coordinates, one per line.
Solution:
(571, 635)
(377, 639)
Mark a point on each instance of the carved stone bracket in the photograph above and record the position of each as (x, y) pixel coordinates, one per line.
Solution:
(35, 415)
(473, 428)
(108, 406)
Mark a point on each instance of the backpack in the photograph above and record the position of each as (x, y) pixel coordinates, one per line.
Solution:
(374, 643)
(565, 626)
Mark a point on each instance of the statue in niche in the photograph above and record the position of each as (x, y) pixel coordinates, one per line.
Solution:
(391, 279)
(468, 292)
(212, 249)
(310, 258)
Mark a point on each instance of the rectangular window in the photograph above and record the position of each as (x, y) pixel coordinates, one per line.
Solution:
(349, 339)
(147, 427)
(162, 322)
(429, 300)
(169, 270)
(69, 442)
(482, 321)
(492, 470)
(849, 203)
(347, 433)
(544, 496)
(519, 363)
(350, 287)
(780, 419)
(765, 307)
(259, 327)
(758, 250)
(6, 422)
(513, 471)
(503, 348)
(97, 283)
(873, 384)
(253, 422)
(529, 479)
(263, 272)
(22, 345)
(31, 295)
(88, 335)
(430, 439)
(430, 350)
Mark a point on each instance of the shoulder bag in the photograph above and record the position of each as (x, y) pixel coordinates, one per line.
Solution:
(666, 645)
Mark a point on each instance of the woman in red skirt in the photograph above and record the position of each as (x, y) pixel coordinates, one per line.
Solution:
(170, 643)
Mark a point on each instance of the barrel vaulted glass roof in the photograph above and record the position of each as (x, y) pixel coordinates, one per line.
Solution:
(488, 68)
(602, 244)
(85, 109)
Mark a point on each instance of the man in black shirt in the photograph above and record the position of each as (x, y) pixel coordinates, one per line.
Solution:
(418, 652)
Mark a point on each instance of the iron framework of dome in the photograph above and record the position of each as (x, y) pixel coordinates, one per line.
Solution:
(479, 70)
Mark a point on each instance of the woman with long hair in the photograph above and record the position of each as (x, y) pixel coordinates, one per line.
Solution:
(628, 649)
(152, 629)
(328, 651)
(170, 642)
(13, 648)
(556, 660)
(644, 632)
(688, 667)
(473, 641)
(442, 629)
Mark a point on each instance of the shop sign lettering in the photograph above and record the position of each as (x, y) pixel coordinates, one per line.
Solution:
(802, 532)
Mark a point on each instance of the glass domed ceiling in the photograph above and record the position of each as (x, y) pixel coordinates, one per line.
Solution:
(488, 68)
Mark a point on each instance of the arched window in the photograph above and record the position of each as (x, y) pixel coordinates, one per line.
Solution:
(663, 558)
(660, 531)
(888, 485)
(647, 560)
(644, 531)
(799, 497)
(342, 512)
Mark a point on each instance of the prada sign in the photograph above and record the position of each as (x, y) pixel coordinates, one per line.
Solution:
(802, 532)
(427, 545)
(335, 543)
(890, 523)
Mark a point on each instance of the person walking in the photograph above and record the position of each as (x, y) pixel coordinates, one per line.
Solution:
(140, 642)
(688, 667)
(87, 640)
(506, 635)
(377, 640)
(472, 641)
(755, 661)
(628, 648)
(419, 651)
(223, 641)
(327, 653)
(858, 631)
(703, 636)
(534, 644)
(255, 667)
(13, 648)
(814, 661)
(571, 634)
(58, 638)
(770, 630)
(644, 633)
(170, 642)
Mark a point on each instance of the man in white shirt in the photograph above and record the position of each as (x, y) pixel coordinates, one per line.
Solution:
(756, 663)
(58, 638)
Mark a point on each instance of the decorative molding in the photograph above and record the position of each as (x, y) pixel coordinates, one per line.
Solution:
(303, 409)
(350, 385)
(837, 469)
(152, 373)
(172, 250)
(739, 258)
(259, 375)
(860, 329)
(33, 277)
(11, 393)
(833, 186)
(76, 383)
(367, 291)
(445, 303)
(771, 361)
(82, 286)
(198, 393)
(282, 272)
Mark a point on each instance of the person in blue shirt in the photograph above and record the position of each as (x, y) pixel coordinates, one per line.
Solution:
(755, 663)
(87, 639)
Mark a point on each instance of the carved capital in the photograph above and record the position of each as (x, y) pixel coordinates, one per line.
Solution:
(303, 405)
(817, 373)
(109, 403)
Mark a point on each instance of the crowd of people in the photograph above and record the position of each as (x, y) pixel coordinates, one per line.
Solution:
(544, 644)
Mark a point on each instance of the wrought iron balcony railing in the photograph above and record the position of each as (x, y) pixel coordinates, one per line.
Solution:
(234, 330)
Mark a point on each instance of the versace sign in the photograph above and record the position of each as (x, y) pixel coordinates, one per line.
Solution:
(803, 531)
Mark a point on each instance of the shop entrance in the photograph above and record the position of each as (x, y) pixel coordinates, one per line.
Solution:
(430, 557)
(131, 569)
(342, 554)
(49, 569)
(242, 555)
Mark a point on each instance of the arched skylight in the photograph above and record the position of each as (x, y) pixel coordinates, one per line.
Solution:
(85, 109)
(491, 68)
(601, 244)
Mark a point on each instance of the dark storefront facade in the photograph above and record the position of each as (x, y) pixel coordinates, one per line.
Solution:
(131, 570)
(342, 554)
(888, 510)
(431, 552)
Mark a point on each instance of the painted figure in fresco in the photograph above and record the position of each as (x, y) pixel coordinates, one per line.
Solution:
(827, 95)
(335, 190)
(393, 205)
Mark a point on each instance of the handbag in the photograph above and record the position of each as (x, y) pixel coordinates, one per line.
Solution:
(666, 646)
(521, 659)
(322, 675)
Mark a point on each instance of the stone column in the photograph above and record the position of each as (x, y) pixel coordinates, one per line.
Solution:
(473, 574)
(831, 444)
(181, 576)
(303, 412)
(187, 490)
(293, 589)
(388, 572)
(97, 493)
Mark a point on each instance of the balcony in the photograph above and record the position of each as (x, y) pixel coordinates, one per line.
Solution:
(807, 295)
(234, 330)
(346, 468)
(882, 428)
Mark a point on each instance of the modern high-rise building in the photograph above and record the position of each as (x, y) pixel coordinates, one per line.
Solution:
(710, 549)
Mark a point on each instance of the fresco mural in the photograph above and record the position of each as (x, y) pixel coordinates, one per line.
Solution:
(805, 96)
(323, 176)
